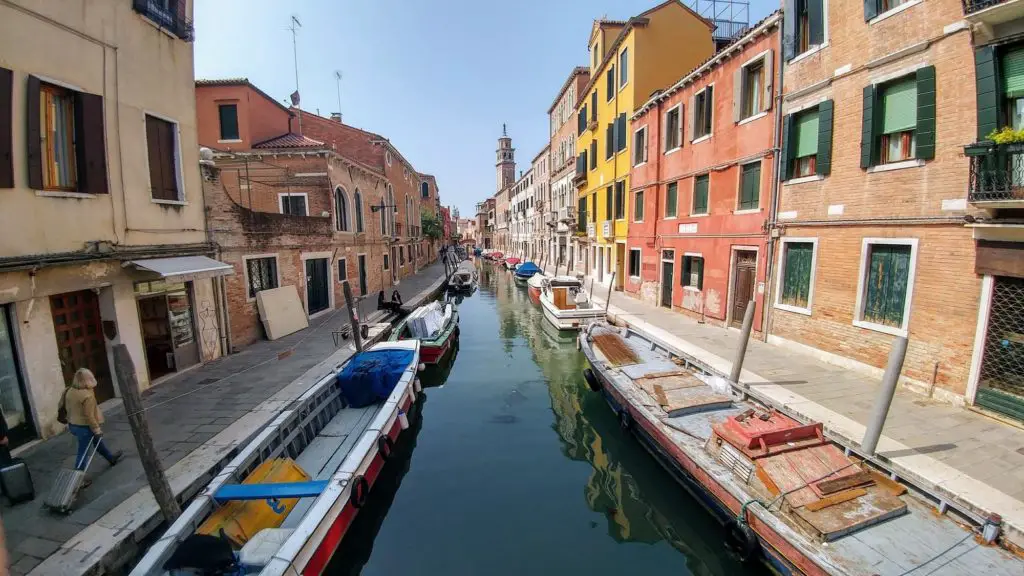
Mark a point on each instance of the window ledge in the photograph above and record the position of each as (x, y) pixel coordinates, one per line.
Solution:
(893, 11)
(810, 52)
(701, 215)
(794, 309)
(231, 141)
(752, 118)
(676, 149)
(670, 217)
(169, 202)
(804, 179)
(747, 211)
(880, 328)
(702, 138)
(644, 163)
(692, 289)
(62, 194)
(916, 163)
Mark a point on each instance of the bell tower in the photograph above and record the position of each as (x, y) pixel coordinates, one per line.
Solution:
(506, 164)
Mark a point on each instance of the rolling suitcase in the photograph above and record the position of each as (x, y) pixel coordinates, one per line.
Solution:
(69, 481)
(16, 481)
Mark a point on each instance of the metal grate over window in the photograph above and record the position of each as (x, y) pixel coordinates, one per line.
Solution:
(1001, 382)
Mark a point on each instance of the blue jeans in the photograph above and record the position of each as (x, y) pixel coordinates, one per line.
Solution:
(85, 435)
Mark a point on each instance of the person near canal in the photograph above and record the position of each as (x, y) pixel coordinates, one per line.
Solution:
(84, 417)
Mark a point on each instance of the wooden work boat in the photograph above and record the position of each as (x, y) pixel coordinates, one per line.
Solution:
(331, 453)
(434, 325)
(787, 495)
(565, 304)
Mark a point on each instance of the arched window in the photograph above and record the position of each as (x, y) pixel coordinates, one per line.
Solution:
(393, 211)
(340, 210)
(358, 205)
(424, 189)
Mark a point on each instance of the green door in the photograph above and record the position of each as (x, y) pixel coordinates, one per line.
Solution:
(1001, 378)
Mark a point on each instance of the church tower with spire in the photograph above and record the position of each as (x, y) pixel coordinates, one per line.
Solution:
(506, 165)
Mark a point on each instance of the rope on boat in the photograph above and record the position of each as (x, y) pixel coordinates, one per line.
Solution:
(941, 554)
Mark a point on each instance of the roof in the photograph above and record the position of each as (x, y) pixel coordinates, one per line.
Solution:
(766, 24)
(572, 76)
(290, 140)
(541, 153)
(239, 82)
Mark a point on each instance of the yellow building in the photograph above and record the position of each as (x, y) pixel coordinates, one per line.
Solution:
(628, 61)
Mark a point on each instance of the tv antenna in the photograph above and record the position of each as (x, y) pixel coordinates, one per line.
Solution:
(294, 28)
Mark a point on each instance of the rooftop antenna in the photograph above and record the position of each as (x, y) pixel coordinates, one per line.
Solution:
(294, 27)
(337, 79)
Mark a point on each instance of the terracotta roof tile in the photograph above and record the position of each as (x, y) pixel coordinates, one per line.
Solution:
(289, 140)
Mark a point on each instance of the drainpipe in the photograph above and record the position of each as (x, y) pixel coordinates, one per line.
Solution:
(766, 307)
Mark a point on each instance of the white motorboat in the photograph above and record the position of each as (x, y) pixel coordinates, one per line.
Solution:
(464, 278)
(565, 303)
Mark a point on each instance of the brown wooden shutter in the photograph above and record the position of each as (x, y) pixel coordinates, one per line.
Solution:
(162, 173)
(6, 125)
(33, 144)
(90, 144)
(769, 79)
(153, 151)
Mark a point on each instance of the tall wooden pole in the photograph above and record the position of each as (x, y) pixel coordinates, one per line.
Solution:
(128, 384)
(741, 351)
(357, 336)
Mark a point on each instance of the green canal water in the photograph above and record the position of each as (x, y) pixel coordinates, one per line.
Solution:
(515, 467)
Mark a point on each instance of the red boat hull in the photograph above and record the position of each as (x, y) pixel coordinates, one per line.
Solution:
(534, 295)
(433, 354)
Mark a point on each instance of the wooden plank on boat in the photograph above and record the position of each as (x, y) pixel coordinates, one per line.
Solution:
(765, 479)
(847, 517)
(859, 478)
(893, 487)
(691, 400)
(651, 384)
(787, 480)
(615, 350)
(837, 498)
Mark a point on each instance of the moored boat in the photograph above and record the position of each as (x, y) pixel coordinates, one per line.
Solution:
(787, 494)
(566, 305)
(525, 271)
(511, 262)
(463, 279)
(535, 285)
(285, 502)
(434, 325)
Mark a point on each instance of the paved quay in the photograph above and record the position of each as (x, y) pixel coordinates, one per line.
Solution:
(960, 455)
(197, 419)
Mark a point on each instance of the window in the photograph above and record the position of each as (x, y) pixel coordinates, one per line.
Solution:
(162, 145)
(293, 204)
(593, 154)
(342, 269)
(795, 271)
(609, 203)
(806, 140)
(673, 129)
(340, 210)
(609, 140)
(610, 83)
(620, 133)
(595, 52)
(358, 204)
(593, 205)
(593, 106)
(581, 121)
(640, 146)
(620, 200)
(638, 206)
(261, 274)
(899, 120)
(809, 26)
(387, 262)
(700, 195)
(671, 199)
(752, 89)
(624, 67)
(693, 272)
(424, 190)
(634, 262)
(873, 8)
(228, 121)
(886, 283)
(701, 112)
(750, 186)
(401, 255)
(59, 154)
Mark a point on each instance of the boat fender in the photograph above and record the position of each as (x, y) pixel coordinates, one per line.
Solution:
(385, 446)
(624, 420)
(740, 539)
(591, 379)
(403, 419)
(360, 489)
(579, 343)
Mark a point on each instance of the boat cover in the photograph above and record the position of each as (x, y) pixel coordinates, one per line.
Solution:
(512, 260)
(427, 321)
(371, 376)
(527, 269)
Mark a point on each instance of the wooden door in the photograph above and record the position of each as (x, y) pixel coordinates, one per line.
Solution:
(744, 275)
(667, 274)
(80, 342)
(318, 296)
(362, 275)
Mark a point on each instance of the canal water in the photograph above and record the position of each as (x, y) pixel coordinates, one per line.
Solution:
(515, 467)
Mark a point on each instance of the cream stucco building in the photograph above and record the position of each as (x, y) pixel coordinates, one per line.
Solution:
(102, 228)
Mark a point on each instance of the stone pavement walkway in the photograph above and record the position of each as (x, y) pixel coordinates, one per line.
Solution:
(183, 413)
(964, 456)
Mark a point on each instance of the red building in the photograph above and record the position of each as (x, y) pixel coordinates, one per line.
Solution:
(702, 182)
(446, 225)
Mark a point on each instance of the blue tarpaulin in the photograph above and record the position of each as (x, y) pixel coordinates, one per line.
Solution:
(527, 270)
(371, 376)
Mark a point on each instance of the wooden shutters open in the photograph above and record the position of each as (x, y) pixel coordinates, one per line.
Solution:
(823, 163)
(6, 129)
(92, 155)
(33, 134)
(163, 176)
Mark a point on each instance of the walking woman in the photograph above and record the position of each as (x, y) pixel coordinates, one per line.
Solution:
(84, 417)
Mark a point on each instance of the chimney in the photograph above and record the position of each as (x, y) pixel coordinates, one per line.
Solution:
(336, 116)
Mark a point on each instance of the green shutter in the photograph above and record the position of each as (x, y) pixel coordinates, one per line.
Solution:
(823, 164)
(684, 278)
(700, 195)
(638, 206)
(806, 134)
(671, 200)
(986, 75)
(796, 276)
(886, 292)
(867, 133)
(925, 129)
(1012, 65)
(815, 22)
(700, 272)
(789, 30)
(608, 203)
(899, 106)
(750, 182)
(787, 147)
(870, 9)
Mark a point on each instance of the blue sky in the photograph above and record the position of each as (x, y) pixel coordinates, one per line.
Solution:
(437, 77)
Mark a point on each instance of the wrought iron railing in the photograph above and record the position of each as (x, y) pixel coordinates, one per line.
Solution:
(997, 172)
(168, 14)
(972, 6)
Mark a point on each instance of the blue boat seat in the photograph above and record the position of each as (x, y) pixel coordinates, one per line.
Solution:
(278, 490)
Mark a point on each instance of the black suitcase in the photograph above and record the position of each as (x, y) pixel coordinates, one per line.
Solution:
(16, 481)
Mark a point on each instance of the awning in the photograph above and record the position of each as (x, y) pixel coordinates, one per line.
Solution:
(184, 268)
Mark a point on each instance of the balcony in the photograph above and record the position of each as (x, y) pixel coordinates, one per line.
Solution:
(592, 124)
(997, 175)
(579, 179)
(993, 12)
(567, 214)
(167, 14)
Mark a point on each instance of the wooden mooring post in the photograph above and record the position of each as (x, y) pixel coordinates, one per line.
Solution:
(741, 352)
(884, 399)
(353, 322)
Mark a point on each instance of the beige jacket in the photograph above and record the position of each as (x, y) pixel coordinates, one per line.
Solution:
(83, 410)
